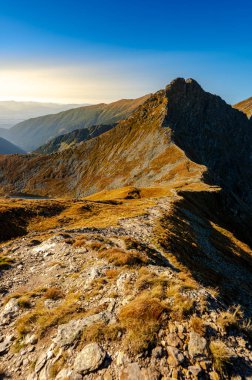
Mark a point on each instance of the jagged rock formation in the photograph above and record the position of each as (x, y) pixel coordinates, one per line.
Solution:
(31, 134)
(245, 106)
(7, 147)
(65, 141)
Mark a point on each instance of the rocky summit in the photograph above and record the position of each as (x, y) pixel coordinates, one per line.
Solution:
(126, 253)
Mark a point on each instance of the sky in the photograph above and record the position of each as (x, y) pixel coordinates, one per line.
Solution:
(78, 51)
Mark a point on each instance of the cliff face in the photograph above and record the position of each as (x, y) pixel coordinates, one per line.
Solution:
(213, 134)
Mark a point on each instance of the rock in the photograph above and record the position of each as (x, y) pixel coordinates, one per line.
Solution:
(67, 373)
(89, 358)
(150, 374)
(70, 331)
(194, 370)
(5, 345)
(42, 359)
(157, 352)
(197, 345)
(121, 358)
(30, 339)
(173, 340)
(131, 372)
(10, 309)
(214, 375)
(175, 356)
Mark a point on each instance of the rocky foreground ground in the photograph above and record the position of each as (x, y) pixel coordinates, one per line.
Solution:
(114, 303)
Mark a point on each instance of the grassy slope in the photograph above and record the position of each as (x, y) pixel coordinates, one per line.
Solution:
(245, 106)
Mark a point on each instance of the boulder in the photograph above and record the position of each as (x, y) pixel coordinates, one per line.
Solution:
(197, 345)
(175, 356)
(5, 345)
(89, 359)
(69, 332)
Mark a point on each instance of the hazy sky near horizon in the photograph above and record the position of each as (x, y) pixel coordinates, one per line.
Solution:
(82, 51)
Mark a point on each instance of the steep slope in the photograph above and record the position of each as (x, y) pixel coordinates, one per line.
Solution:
(8, 148)
(33, 133)
(245, 106)
(65, 141)
(12, 112)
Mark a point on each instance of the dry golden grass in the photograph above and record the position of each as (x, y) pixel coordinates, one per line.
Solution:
(118, 257)
(80, 241)
(221, 355)
(24, 302)
(5, 262)
(155, 284)
(197, 324)
(229, 319)
(54, 294)
(182, 307)
(141, 318)
(25, 292)
(22, 216)
(40, 318)
(100, 332)
(187, 281)
(112, 273)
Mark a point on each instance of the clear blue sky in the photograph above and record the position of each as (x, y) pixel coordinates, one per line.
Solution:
(70, 50)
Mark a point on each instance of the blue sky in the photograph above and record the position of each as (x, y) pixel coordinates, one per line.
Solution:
(79, 51)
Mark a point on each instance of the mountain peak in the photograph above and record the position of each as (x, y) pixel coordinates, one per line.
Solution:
(182, 85)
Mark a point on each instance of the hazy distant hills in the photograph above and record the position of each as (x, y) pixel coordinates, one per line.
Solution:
(245, 106)
(33, 133)
(12, 112)
(8, 148)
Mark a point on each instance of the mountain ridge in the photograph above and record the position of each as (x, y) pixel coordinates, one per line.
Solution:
(35, 132)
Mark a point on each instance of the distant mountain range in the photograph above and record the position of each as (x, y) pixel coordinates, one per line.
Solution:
(12, 112)
(33, 133)
(7, 147)
(245, 106)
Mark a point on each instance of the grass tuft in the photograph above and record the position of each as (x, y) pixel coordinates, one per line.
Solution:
(118, 257)
(221, 355)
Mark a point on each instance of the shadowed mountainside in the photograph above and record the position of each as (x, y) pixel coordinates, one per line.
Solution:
(7, 147)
